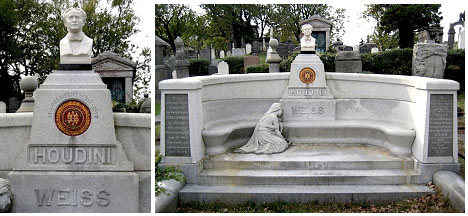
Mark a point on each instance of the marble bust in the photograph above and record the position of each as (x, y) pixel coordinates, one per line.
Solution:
(267, 137)
(307, 41)
(75, 47)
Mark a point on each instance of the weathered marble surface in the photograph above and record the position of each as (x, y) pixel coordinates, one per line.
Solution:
(75, 47)
(429, 60)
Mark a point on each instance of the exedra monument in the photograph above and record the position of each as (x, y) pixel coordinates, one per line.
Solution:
(75, 47)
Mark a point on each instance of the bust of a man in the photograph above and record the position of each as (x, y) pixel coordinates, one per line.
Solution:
(307, 41)
(75, 47)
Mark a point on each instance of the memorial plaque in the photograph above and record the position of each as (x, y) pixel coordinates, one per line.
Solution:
(441, 125)
(177, 125)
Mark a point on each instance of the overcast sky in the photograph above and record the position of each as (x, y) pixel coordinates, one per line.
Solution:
(355, 27)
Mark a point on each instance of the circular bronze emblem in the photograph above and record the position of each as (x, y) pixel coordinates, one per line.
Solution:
(73, 118)
(307, 75)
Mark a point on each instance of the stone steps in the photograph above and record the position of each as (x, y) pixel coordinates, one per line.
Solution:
(240, 194)
(307, 173)
(306, 177)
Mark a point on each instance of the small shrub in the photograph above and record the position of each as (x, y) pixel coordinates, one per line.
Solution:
(259, 68)
(130, 107)
(198, 67)
(397, 62)
(165, 173)
(285, 65)
(455, 67)
(328, 59)
(236, 64)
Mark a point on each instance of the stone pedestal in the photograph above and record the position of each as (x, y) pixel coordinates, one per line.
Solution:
(429, 59)
(307, 96)
(28, 84)
(73, 161)
(273, 58)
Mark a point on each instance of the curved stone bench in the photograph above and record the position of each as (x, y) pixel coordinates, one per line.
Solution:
(224, 135)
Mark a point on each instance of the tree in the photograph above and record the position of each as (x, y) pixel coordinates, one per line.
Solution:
(379, 36)
(143, 74)
(286, 19)
(171, 21)
(405, 20)
(38, 28)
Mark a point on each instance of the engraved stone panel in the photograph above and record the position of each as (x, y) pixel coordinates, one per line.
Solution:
(441, 125)
(177, 125)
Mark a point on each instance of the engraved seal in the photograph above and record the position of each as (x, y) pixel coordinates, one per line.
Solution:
(73, 118)
(307, 75)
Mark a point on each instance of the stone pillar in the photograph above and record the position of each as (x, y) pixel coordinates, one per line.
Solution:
(429, 59)
(274, 59)
(28, 84)
(182, 64)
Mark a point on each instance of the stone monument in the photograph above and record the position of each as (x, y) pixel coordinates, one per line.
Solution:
(223, 68)
(2, 107)
(182, 64)
(73, 161)
(429, 59)
(273, 58)
(307, 97)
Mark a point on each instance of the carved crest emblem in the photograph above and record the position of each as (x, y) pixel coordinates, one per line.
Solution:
(73, 118)
(307, 75)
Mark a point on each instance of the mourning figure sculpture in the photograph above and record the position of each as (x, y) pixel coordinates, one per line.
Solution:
(267, 137)
(5, 195)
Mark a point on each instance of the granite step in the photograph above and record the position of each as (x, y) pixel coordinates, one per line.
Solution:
(240, 194)
(307, 177)
(314, 156)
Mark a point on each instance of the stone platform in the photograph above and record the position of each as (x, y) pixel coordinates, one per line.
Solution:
(308, 173)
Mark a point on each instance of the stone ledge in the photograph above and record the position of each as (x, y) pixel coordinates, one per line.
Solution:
(453, 187)
(16, 119)
(142, 120)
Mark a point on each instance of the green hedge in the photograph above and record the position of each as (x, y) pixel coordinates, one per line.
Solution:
(397, 62)
(455, 67)
(259, 68)
(236, 64)
(285, 65)
(198, 67)
(328, 59)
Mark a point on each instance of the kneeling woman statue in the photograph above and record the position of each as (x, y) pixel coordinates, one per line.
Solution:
(267, 137)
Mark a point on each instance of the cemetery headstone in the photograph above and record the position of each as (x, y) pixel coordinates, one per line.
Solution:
(364, 48)
(221, 54)
(205, 54)
(238, 52)
(248, 49)
(429, 60)
(255, 46)
(212, 70)
(73, 161)
(348, 62)
(213, 53)
(283, 51)
(2, 107)
(374, 50)
(228, 53)
(251, 60)
(348, 48)
(223, 68)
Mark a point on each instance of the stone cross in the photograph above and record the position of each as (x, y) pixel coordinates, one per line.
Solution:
(75, 47)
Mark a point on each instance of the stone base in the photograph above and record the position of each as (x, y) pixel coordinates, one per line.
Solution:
(74, 191)
(75, 67)
(308, 109)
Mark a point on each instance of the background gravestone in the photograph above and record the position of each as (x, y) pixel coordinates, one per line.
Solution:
(238, 52)
(248, 49)
(223, 68)
(205, 54)
(2, 107)
(221, 54)
(255, 46)
(282, 51)
(348, 48)
(364, 48)
(228, 53)
(429, 60)
(374, 50)
(251, 60)
(348, 62)
(213, 53)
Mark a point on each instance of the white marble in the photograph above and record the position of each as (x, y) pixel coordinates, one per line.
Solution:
(221, 54)
(75, 47)
(307, 41)
(248, 49)
(223, 68)
(375, 50)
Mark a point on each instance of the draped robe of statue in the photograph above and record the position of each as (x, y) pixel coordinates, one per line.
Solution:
(267, 137)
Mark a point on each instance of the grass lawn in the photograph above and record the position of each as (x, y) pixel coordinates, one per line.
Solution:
(428, 203)
(157, 108)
